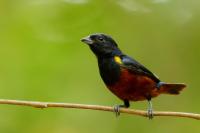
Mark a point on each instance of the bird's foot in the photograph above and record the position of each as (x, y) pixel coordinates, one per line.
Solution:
(116, 109)
(150, 113)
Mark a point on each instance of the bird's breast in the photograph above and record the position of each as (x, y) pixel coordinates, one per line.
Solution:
(110, 71)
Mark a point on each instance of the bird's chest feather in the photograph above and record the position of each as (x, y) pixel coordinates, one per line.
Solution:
(109, 70)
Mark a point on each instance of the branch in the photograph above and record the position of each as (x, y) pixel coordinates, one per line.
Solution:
(96, 107)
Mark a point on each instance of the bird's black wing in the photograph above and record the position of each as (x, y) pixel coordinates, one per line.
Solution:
(136, 67)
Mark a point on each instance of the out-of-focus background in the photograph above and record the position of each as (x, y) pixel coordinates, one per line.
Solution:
(42, 59)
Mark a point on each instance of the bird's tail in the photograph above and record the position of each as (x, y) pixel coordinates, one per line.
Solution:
(173, 89)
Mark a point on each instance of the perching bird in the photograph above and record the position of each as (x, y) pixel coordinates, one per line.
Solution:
(124, 76)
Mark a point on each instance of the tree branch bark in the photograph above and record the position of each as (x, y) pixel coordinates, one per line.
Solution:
(37, 104)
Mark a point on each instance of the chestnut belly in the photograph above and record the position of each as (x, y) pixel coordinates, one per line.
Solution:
(134, 87)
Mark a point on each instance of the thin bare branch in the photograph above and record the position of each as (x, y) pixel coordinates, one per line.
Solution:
(96, 107)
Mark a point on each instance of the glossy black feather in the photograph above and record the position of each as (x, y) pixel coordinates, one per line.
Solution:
(135, 67)
(109, 70)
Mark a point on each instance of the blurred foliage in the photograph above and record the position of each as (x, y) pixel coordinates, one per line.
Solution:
(42, 58)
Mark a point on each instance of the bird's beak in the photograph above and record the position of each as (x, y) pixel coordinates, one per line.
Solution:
(87, 40)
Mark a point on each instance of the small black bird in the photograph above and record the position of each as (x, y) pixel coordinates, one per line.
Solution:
(125, 77)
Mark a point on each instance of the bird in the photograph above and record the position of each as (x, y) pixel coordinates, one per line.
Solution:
(125, 77)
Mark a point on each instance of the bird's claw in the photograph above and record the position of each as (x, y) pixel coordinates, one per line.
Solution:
(150, 114)
(116, 109)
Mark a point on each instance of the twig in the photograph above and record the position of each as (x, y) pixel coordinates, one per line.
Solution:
(96, 107)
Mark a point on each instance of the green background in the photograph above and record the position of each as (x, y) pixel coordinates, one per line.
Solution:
(42, 59)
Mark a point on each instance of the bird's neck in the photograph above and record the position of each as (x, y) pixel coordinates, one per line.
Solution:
(112, 54)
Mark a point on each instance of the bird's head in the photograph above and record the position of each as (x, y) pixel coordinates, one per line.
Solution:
(101, 44)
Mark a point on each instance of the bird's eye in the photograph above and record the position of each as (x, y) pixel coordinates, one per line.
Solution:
(100, 39)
